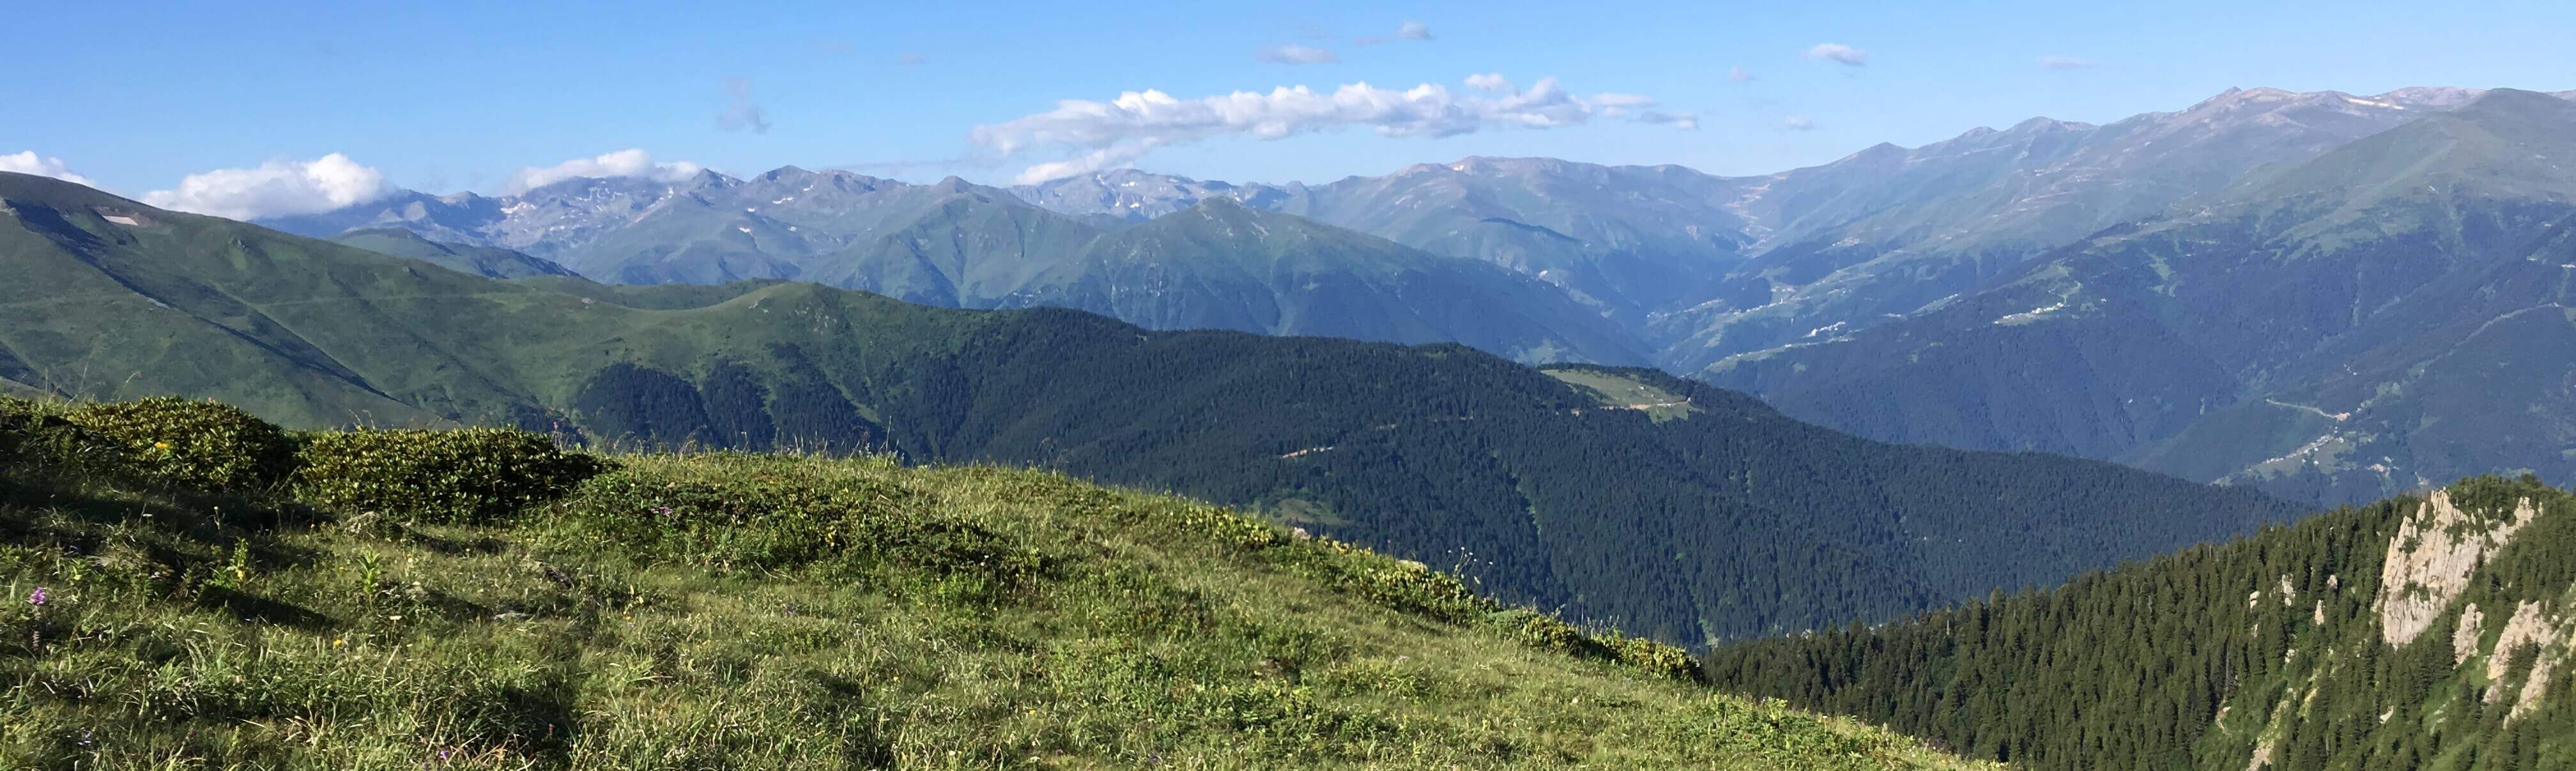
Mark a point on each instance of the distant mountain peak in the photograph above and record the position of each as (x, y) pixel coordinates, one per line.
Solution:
(785, 172)
(2514, 99)
(2040, 124)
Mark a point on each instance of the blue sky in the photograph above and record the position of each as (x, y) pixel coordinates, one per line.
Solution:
(462, 95)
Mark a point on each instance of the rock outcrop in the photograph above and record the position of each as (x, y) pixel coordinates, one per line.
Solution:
(2429, 562)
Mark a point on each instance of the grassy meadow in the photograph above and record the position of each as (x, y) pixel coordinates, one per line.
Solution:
(190, 588)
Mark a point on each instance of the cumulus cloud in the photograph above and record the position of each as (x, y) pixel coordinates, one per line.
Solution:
(742, 113)
(1105, 134)
(43, 166)
(1798, 123)
(1739, 75)
(2066, 63)
(1839, 53)
(1111, 157)
(276, 188)
(1295, 54)
(1410, 30)
(1491, 81)
(623, 163)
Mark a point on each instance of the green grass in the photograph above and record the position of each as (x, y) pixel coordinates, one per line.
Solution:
(776, 611)
(1617, 391)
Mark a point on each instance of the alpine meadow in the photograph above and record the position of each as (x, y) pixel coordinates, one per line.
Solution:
(822, 386)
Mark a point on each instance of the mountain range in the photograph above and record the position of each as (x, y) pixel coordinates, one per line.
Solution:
(1834, 291)
(2378, 318)
(957, 244)
(1622, 496)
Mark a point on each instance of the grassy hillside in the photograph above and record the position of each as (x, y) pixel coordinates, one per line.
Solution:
(189, 587)
(485, 261)
(2422, 632)
(1520, 480)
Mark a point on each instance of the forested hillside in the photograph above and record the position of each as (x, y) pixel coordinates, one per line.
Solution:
(1621, 497)
(2421, 632)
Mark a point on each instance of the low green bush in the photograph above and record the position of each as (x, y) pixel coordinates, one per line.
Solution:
(32, 437)
(470, 475)
(776, 513)
(1538, 630)
(198, 445)
(1655, 658)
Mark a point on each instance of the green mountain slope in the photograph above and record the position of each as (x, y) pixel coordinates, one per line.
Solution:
(1222, 265)
(1625, 239)
(2415, 633)
(1547, 489)
(742, 611)
(1888, 231)
(484, 261)
(2384, 315)
(969, 250)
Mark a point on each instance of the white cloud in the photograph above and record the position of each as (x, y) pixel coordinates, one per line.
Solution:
(1837, 52)
(2066, 63)
(623, 163)
(1410, 30)
(1739, 75)
(43, 166)
(1798, 123)
(275, 188)
(1295, 54)
(1111, 157)
(742, 113)
(1491, 81)
(1124, 129)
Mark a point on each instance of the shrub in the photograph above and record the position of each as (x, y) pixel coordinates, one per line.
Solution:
(469, 475)
(201, 445)
(780, 513)
(1538, 630)
(1655, 658)
(1402, 585)
(33, 441)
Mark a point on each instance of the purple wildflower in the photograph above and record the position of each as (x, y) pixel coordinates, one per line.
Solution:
(38, 597)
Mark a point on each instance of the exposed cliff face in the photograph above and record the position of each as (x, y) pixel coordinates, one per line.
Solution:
(2525, 628)
(2464, 639)
(2530, 627)
(2430, 561)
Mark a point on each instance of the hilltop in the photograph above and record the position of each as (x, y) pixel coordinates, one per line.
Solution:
(190, 586)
